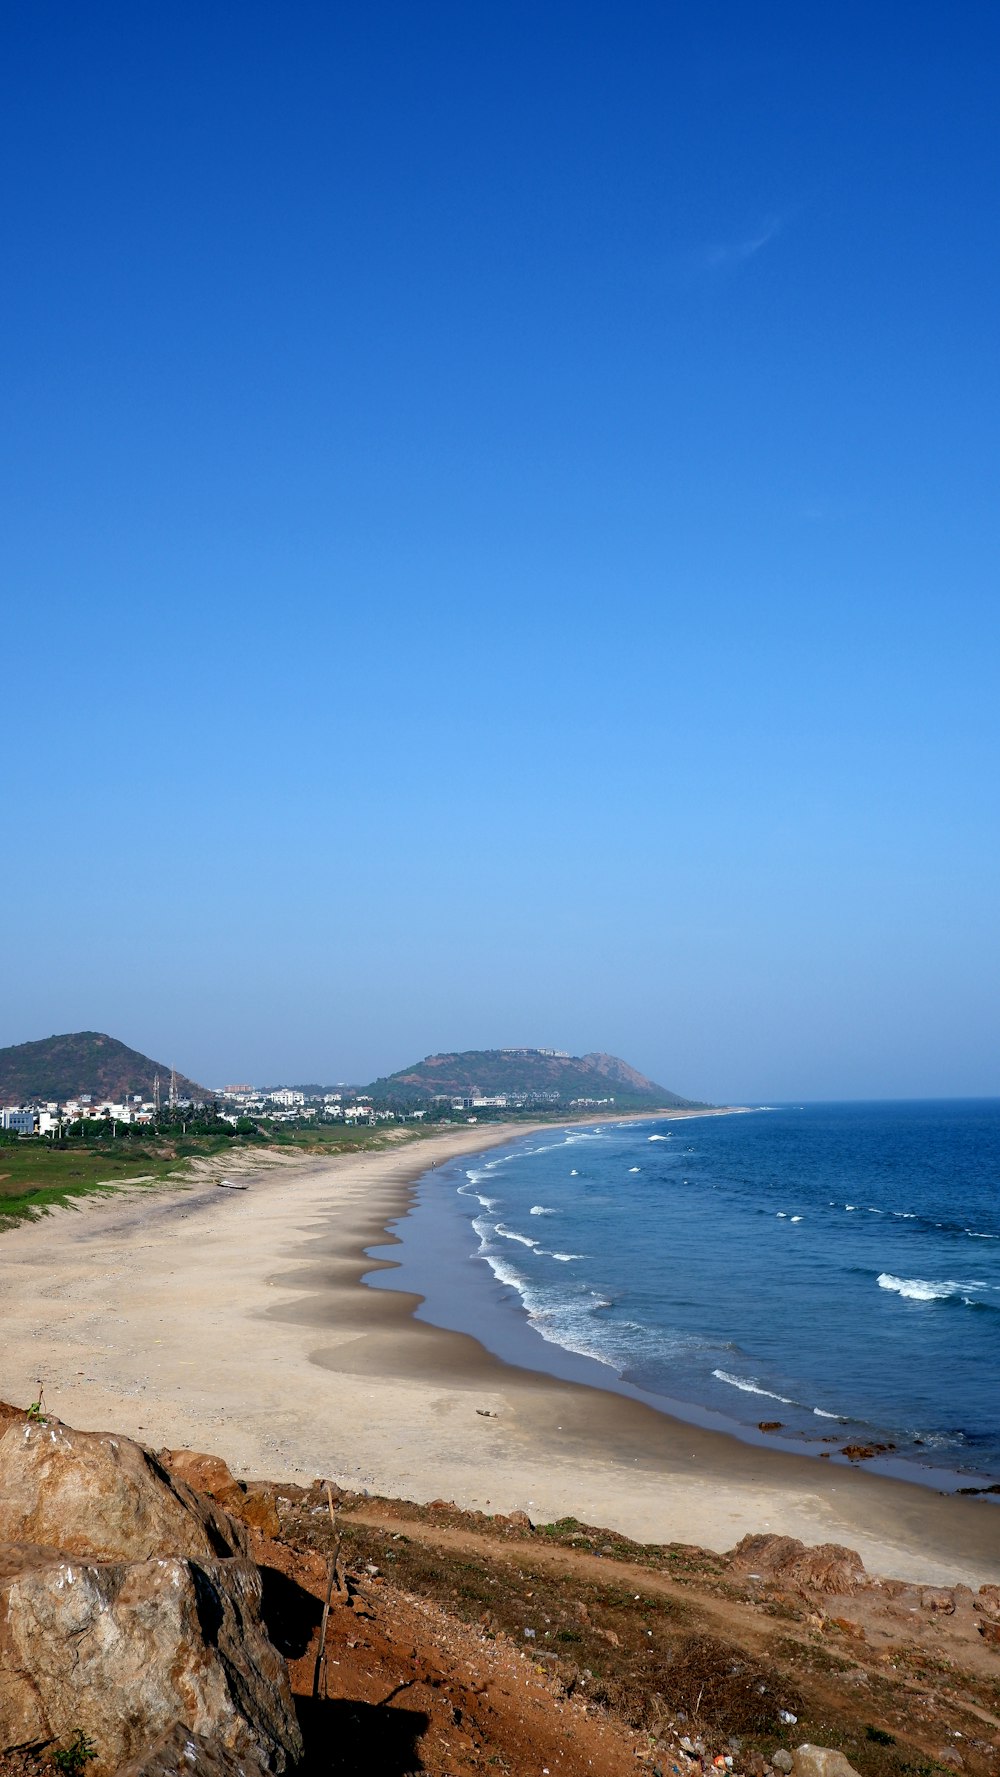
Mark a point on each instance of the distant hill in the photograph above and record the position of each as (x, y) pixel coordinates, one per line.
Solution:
(530, 1073)
(83, 1061)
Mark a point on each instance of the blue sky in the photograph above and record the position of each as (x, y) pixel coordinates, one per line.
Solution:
(499, 537)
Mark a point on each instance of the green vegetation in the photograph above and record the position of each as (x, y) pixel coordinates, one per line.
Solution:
(99, 1156)
(35, 1175)
(73, 1759)
(540, 1077)
(82, 1061)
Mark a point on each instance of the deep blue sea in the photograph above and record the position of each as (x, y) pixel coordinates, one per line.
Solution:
(834, 1267)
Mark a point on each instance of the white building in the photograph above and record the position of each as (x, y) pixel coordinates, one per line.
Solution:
(17, 1121)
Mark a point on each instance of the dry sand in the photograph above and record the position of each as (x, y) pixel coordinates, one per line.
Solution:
(235, 1321)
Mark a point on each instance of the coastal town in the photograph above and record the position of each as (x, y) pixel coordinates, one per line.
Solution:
(237, 1104)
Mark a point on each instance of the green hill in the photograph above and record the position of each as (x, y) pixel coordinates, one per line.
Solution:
(538, 1075)
(83, 1061)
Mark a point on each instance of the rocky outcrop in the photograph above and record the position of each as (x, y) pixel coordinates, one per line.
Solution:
(826, 1567)
(129, 1610)
(125, 1650)
(91, 1493)
(179, 1753)
(255, 1505)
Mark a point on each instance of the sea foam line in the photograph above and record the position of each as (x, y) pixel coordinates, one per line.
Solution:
(923, 1289)
(752, 1387)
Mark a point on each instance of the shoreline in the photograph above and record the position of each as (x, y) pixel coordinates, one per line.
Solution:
(237, 1322)
(451, 1291)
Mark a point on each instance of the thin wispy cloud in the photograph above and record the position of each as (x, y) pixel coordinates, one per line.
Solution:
(723, 254)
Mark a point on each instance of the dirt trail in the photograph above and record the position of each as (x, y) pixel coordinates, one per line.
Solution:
(896, 1670)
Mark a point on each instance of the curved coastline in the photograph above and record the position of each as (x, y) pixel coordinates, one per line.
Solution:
(237, 1322)
(428, 1245)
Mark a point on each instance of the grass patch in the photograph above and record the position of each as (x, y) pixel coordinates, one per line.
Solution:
(35, 1178)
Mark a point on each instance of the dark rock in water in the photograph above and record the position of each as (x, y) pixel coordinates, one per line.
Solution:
(769, 1425)
(864, 1452)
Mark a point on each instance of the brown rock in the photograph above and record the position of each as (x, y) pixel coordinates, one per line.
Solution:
(828, 1566)
(180, 1753)
(206, 1474)
(255, 1505)
(821, 1761)
(259, 1508)
(124, 1651)
(10, 1415)
(94, 1494)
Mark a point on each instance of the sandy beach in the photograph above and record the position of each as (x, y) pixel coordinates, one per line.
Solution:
(236, 1322)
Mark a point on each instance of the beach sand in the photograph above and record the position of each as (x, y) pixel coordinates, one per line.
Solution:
(236, 1322)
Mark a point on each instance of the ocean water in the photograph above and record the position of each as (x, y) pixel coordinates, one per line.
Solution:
(832, 1267)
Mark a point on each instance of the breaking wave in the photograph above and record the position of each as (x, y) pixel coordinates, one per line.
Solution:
(752, 1387)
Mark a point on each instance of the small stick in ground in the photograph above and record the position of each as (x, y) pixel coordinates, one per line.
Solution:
(320, 1665)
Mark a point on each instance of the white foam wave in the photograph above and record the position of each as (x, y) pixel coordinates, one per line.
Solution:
(511, 1234)
(539, 1209)
(751, 1387)
(920, 1289)
(503, 1272)
(574, 1173)
(565, 1257)
(795, 1218)
(658, 1138)
(821, 1413)
(635, 1169)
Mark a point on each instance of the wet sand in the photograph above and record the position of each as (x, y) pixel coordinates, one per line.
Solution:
(235, 1321)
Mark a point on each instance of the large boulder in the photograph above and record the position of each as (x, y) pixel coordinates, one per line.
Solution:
(827, 1567)
(125, 1651)
(95, 1494)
